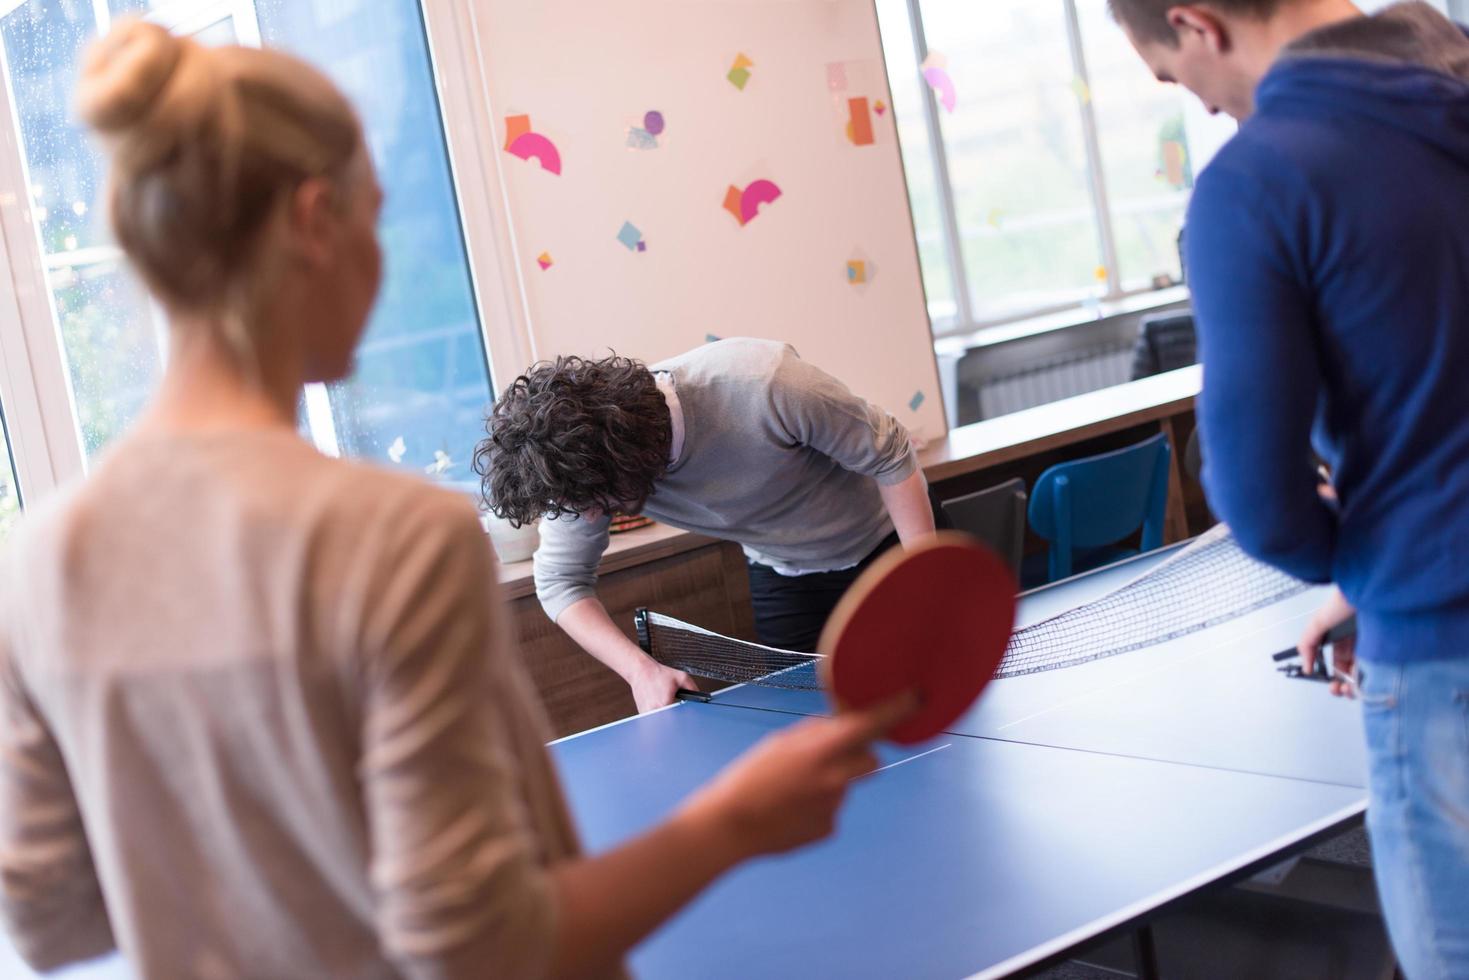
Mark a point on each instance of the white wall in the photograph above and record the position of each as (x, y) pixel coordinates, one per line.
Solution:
(586, 72)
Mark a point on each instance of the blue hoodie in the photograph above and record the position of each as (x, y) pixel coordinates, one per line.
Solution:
(1328, 253)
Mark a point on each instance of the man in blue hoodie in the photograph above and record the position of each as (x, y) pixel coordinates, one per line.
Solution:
(1328, 253)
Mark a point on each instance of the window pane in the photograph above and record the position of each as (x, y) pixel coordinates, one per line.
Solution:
(923, 193)
(1145, 155)
(9, 492)
(107, 331)
(1017, 158)
(422, 382)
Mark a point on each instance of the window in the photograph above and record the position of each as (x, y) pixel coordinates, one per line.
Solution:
(9, 492)
(1059, 173)
(422, 381)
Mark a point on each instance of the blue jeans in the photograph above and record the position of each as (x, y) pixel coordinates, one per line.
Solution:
(1417, 723)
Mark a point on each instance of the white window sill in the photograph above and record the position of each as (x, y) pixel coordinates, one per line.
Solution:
(956, 345)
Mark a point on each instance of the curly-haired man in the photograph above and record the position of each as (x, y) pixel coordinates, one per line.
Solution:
(741, 440)
(1328, 254)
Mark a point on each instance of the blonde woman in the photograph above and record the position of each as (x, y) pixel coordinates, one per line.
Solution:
(258, 713)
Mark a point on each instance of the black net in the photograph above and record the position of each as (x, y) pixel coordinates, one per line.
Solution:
(704, 654)
(1207, 583)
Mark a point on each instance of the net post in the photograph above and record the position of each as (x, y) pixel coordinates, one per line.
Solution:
(640, 623)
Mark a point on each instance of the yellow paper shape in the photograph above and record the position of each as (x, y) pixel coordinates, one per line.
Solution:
(743, 62)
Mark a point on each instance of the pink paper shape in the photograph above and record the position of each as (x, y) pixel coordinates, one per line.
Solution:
(529, 145)
(943, 85)
(757, 193)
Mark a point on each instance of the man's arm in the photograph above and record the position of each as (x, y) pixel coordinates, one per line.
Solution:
(653, 685)
(1262, 376)
(818, 411)
(909, 507)
(566, 583)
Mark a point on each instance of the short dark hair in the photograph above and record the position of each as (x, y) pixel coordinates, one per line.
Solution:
(1148, 19)
(572, 434)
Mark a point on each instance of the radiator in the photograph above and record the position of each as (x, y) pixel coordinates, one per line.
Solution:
(1074, 373)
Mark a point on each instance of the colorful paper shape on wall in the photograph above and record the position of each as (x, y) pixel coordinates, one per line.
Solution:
(745, 204)
(640, 139)
(632, 238)
(524, 142)
(544, 260)
(917, 400)
(860, 270)
(879, 107)
(739, 74)
(936, 74)
(712, 338)
(859, 125)
(645, 136)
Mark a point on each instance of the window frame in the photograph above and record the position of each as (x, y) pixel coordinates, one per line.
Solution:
(45, 441)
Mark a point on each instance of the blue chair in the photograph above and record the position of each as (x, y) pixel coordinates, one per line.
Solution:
(1085, 505)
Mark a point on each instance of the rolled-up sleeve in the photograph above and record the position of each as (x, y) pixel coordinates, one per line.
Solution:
(817, 410)
(565, 565)
(456, 863)
(50, 901)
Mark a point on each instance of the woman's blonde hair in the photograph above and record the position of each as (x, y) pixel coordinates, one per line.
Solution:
(207, 144)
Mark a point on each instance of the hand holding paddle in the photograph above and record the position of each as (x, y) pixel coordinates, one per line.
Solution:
(785, 792)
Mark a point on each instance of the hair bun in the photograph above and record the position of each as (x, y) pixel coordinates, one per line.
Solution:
(125, 72)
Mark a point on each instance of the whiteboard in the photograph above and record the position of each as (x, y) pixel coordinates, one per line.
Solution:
(622, 236)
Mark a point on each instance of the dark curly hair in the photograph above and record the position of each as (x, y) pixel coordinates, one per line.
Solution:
(570, 435)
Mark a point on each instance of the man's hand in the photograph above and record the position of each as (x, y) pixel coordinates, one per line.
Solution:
(654, 685)
(1331, 615)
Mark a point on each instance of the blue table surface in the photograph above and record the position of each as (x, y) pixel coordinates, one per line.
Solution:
(1064, 804)
(967, 854)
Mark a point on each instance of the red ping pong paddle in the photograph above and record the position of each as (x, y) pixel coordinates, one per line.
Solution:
(934, 618)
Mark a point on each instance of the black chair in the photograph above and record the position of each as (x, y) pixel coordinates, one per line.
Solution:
(996, 516)
(1165, 342)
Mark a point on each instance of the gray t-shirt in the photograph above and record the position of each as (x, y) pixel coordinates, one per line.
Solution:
(259, 716)
(778, 456)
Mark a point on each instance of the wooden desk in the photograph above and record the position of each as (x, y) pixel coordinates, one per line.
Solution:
(702, 580)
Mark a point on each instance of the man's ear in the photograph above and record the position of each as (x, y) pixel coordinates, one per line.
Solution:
(311, 215)
(1200, 25)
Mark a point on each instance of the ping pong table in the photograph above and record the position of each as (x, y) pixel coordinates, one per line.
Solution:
(1065, 808)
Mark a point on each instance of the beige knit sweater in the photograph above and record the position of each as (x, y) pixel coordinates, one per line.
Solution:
(259, 718)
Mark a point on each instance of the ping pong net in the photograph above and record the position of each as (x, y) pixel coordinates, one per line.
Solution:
(1209, 582)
